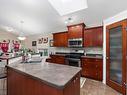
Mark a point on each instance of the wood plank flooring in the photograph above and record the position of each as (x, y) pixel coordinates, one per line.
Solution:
(92, 87)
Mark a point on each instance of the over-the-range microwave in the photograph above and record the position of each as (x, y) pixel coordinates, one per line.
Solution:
(75, 43)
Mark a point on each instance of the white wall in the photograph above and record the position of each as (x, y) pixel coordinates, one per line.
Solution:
(28, 42)
(116, 18)
(4, 35)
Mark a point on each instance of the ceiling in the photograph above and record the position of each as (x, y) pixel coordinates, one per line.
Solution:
(40, 17)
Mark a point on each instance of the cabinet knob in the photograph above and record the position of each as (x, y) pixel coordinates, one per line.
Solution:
(74, 81)
(107, 57)
(125, 84)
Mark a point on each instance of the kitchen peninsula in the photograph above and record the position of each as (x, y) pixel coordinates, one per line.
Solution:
(43, 79)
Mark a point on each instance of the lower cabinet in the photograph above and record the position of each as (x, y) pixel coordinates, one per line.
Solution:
(58, 59)
(92, 68)
(73, 87)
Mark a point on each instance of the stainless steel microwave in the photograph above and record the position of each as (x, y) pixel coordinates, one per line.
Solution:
(78, 42)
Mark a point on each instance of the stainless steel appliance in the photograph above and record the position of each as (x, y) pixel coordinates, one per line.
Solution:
(73, 59)
(78, 42)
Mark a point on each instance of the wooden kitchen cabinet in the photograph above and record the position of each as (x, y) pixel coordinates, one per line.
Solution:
(58, 59)
(75, 31)
(93, 37)
(60, 39)
(74, 86)
(92, 68)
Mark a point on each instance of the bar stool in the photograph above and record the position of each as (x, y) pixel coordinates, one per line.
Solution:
(3, 77)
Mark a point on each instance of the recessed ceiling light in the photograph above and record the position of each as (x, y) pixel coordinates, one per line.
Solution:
(64, 7)
(69, 20)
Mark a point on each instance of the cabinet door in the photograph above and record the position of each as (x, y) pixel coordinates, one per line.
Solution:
(77, 85)
(75, 31)
(56, 42)
(73, 87)
(88, 36)
(93, 37)
(92, 68)
(98, 36)
(60, 59)
(60, 39)
(57, 59)
(63, 39)
(116, 56)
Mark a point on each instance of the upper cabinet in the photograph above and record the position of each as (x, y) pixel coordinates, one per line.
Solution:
(90, 37)
(75, 31)
(60, 39)
(93, 37)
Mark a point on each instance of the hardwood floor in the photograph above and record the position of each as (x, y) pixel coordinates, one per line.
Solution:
(91, 87)
(3, 87)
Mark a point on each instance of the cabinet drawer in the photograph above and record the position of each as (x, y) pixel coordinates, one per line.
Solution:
(92, 74)
(92, 65)
(92, 59)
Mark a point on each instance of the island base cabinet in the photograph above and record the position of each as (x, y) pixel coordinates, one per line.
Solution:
(19, 83)
(73, 88)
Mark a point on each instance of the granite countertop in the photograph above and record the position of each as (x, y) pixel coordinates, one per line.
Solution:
(98, 57)
(8, 57)
(52, 74)
(58, 54)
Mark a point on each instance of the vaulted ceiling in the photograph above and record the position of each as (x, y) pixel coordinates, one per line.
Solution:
(40, 17)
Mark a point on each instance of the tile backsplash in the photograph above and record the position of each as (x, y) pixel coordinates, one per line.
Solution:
(92, 50)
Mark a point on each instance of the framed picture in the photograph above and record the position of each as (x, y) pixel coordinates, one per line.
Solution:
(51, 43)
(34, 43)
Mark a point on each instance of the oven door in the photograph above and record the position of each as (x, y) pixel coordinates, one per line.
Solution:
(73, 62)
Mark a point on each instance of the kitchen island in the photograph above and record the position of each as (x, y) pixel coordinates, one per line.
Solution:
(42, 79)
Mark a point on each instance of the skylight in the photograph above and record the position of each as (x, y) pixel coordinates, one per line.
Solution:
(64, 7)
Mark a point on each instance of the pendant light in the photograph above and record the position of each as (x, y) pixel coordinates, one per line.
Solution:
(21, 35)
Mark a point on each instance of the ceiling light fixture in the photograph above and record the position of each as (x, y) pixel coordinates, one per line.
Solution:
(21, 36)
(64, 7)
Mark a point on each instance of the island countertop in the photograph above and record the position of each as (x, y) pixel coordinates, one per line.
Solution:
(52, 74)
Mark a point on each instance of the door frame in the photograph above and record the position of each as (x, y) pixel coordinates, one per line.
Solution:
(109, 82)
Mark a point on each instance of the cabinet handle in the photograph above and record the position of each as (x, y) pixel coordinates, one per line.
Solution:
(76, 78)
(125, 84)
(107, 57)
(74, 81)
